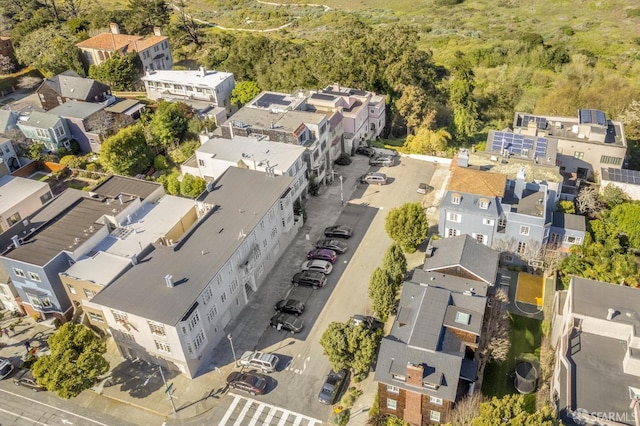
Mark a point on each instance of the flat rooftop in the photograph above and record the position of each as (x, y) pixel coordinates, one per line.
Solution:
(491, 162)
(13, 190)
(76, 109)
(101, 268)
(532, 203)
(188, 77)
(115, 185)
(477, 182)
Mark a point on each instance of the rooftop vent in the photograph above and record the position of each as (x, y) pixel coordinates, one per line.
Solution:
(610, 314)
(16, 240)
(169, 280)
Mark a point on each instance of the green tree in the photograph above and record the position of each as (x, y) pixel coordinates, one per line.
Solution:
(612, 196)
(407, 225)
(126, 152)
(463, 103)
(625, 217)
(244, 92)
(428, 142)
(75, 362)
(363, 343)
(511, 409)
(414, 105)
(566, 206)
(395, 262)
(169, 124)
(119, 71)
(51, 50)
(74, 161)
(382, 292)
(192, 186)
(35, 151)
(173, 184)
(145, 15)
(335, 343)
(350, 346)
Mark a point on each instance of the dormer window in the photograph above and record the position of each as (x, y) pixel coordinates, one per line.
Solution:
(399, 377)
(456, 198)
(484, 203)
(432, 386)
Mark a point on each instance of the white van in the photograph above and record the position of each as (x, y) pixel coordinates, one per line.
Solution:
(266, 362)
(374, 178)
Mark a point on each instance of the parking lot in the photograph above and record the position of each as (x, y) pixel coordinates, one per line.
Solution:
(303, 366)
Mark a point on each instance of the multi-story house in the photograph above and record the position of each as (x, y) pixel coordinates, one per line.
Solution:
(585, 143)
(79, 116)
(217, 154)
(210, 88)
(429, 361)
(68, 85)
(278, 116)
(50, 129)
(596, 378)
(625, 179)
(20, 198)
(173, 305)
(566, 230)
(363, 112)
(8, 120)
(8, 156)
(66, 229)
(153, 51)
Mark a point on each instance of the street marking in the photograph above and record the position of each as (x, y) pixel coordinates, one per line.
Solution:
(54, 408)
(23, 417)
(66, 422)
(230, 410)
(274, 411)
(243, 413)
(256, 415)
(283, 420)
(297, 422)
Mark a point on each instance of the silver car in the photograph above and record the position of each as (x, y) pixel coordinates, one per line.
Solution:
(381, 160)
(318, 266)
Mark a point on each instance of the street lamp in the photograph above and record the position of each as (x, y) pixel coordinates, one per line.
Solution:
(233, 351)
(341, 193)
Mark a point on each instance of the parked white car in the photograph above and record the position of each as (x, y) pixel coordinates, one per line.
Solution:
(318, 266)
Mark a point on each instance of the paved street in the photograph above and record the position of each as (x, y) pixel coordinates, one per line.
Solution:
(247, 411)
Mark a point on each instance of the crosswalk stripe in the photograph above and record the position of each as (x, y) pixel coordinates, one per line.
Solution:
(243, 413)
(236, 400)
(256, 415)
(283, 420)
(272, 412)
(298, 420)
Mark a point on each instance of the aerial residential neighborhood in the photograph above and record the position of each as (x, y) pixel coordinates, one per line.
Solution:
(302, 214)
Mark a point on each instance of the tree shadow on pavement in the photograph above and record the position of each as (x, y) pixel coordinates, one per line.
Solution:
(138, 378)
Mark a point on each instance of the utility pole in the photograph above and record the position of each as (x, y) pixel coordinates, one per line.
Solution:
(341, 193)
(168, 389)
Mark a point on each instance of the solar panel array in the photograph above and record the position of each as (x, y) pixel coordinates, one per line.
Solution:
(541, 122)
(622, 175)
(515, 143)
(592, 116)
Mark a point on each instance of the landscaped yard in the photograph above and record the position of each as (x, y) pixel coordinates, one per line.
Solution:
(525, 338)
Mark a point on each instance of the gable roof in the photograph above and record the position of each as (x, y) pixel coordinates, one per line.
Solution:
(477, 182)
(127, 42)
(70, 85)
(40, 120)
(8, 120)
(466, 252)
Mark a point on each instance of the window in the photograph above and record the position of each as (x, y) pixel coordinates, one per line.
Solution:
(480, 238)
(463, 318)
(162, 346)
(95, 317)
(502, 222)
(127, 336)
(195, 319)
(393, 389)
(13, 219)
(435, 400)
(524, 230)
(572, 240)
(456, 198)
(399, 377)
(555, 238)
(71, 288)
(201, 163)
(223, 297)
(579, 155)
(454, 217)
(234, 286)
(434, 416)
(212, 313)
(46, 302)
(199, 340)
(46, 197)
(119, 316)
(392, 404)
(522, 247)
(207, 294)
(605, 159)
(89, 293)
(452, 232)
(489, 222)
(33, 276)
(157, 329)
(484, 204)
(19, 272)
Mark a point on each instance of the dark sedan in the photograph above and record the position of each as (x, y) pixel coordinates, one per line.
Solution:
(322, 254)
(338, 231)
(253, 383)
(366, 150)
(310, 279)
(335, 245)
(290, 306)
(287, 322)
(333, 386)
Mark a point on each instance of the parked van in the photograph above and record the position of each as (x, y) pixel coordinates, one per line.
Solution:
(266, 362)
(374, 178)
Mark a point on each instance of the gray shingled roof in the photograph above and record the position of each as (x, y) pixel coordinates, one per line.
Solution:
(466, 252)
(593, 299)
(569, 221)
(76, 109)
(115, 185)
(40, 120)
(8, 120)
(450, 282)
(242, 198)
(70, 85)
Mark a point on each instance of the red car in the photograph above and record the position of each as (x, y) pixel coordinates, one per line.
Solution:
(322, 254)
(253, 383)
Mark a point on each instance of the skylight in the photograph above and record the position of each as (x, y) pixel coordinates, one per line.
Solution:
(463, 318)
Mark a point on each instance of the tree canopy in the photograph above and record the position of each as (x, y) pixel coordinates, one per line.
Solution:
(244, 92)
(395, 262)
(75, 362)
(350, 346)
(51, 50)
(382, 292)
(120, 72)
(168, 124)
(126, 152)
(512, 410)
(407, 225)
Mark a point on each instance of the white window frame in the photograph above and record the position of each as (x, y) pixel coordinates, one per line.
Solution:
(71, 288)
(95, 317)
(162, 346)
(33, 276)
(19, 272)
(434, 416)
(435, 400)
(489, 222)
(393, 389)
(454, 217)
(392, 404)
(483, 204)
(456, 199)
(157, 329)
(522, 247)
(525, 230)
(451, 232)
(481, 238)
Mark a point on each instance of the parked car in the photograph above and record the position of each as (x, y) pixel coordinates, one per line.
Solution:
(253, 383)
(290, 306)
(317, 265)
(423, 188)
(331, 244)
(381, 160)
(25, 378)
(343, 160)
(333, 386)
(322, 254)
(366, 321)
(366, 150)
(374, 178)
(264, 361)
(5, 368)
(309, 279)
(338, 231)
(287, 322)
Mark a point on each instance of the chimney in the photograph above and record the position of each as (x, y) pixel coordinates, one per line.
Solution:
(518, 190)
(463, 158)
(121, 199)
(16, 240)
(169, 280)
(610, 314)
(415, 373)
(115, 28)
(203, 72)
(157, 31)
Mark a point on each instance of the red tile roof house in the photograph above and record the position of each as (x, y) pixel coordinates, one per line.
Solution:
(153, 50)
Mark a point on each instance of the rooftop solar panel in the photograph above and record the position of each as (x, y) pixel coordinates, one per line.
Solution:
(601, 118)
(585, 115)
(541, 122)
(622, 175)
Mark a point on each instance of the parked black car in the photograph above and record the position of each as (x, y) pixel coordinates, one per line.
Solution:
(330, 244)
(290, 306)
(338, 231)
(310, 279)
(366, 321)
(253, 383)
(366, 150)
(287, 322)
(333, 386)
